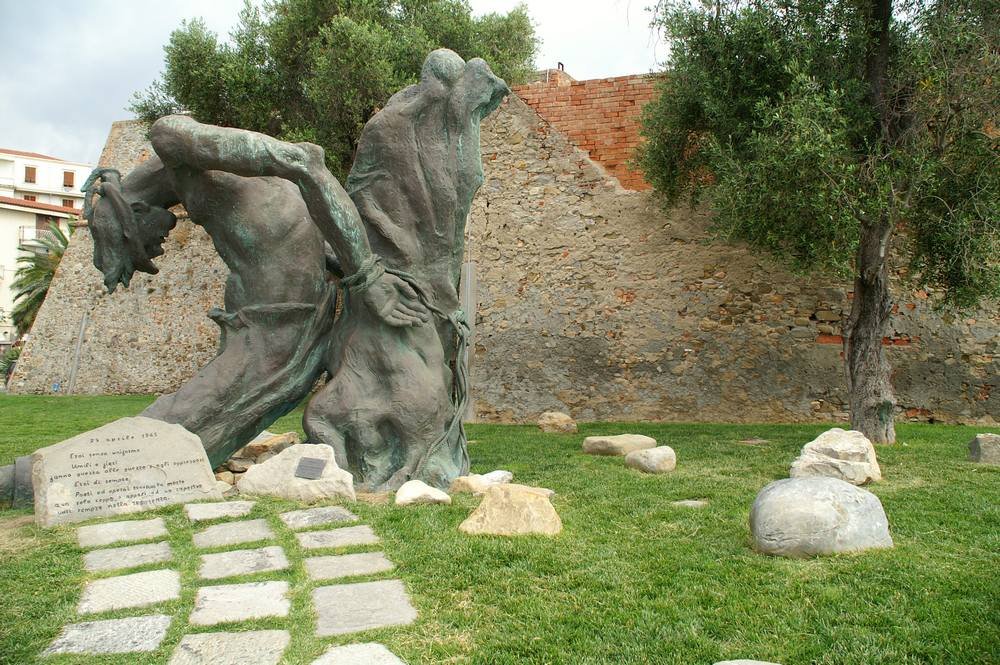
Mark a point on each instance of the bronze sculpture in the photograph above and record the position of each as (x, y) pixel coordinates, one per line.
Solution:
(393, 404)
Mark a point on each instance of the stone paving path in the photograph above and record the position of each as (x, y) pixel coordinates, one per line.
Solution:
(340, 608)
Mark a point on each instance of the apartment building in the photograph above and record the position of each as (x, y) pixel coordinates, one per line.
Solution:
(35, 190)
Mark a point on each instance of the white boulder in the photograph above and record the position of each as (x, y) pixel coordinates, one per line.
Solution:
(556, 422)
(414, 492)
(276, 476)
(802, 517)
(619, 444)
(837, 453)
(985, 449)
(661, 459)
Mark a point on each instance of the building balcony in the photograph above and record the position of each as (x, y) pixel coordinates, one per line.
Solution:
(31, 237)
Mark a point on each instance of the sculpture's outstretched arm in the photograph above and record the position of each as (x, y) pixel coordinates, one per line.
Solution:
(182, 142)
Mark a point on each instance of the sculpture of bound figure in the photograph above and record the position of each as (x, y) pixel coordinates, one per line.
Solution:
(393, 404)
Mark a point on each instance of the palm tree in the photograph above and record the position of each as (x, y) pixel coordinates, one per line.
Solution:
(34, 275)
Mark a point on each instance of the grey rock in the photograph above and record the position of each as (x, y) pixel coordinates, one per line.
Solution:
(369, 653)
(556, 422)
(239, 464)
(346, 565)
(98, 535)
(197, 512)
(619, 444)
(276, 476)
(6, 484)
(985, 449)
(135, 590)
(127, 466)
(259, 647)
(661, 459)
(343, 537)
(498, 477)
(349, 608)
(242, 562)
(233, 533)
(303, 519)
(225, 476)
(836, 453)
(131, 635)
(127, 557)
(239, 602)
(801, 517)
(24, 494)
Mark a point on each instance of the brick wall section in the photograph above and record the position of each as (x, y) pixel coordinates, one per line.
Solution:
(600, 116)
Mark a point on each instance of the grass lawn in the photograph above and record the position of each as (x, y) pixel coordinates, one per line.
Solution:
(631, 579)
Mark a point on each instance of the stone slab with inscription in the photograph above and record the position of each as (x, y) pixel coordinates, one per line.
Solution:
(130, 465)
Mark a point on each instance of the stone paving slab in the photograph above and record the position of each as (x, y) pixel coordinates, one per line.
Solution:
(260, 647)
(348, 535)
(126, 557)
(233, 533)
(196, 512)
(349, 608)
(239, 602)
(135, 590)
(242, 562)
(112, 636)
(347, 565)
(99, 535)
(303, 519)
(370, 653)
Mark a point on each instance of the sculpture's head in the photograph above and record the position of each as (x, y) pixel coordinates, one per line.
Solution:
(127, 234)
(473, 88)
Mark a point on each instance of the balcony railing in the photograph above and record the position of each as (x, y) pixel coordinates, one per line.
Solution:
(31, 236)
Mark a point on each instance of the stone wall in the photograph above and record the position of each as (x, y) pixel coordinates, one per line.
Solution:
(591, 300)
(147, 338)
(602, 117)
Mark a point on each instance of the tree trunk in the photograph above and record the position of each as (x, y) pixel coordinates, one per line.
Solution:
(872, 401)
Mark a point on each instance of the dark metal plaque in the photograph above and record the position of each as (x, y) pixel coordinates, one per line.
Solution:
(310, 468)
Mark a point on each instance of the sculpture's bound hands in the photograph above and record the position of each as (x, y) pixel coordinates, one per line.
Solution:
(394, 301)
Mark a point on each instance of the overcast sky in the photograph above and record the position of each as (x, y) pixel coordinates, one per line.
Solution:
(70, 67)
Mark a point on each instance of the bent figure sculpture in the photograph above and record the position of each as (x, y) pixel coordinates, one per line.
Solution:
(392, 407)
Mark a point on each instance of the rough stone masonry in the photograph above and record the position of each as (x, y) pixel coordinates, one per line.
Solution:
(591, 300)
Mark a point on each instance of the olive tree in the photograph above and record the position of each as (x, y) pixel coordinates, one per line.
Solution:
(316, 70)
(850, 136)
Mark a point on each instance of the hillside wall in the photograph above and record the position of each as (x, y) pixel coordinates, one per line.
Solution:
(602, 117)
(591, 300)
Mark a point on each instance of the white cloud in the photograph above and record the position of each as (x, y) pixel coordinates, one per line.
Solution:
(70, 68)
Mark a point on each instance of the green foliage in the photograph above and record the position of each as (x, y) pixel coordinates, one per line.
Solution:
(317, 70)
(766, 113)
(7, 361)
(33, 277)
(783, 187)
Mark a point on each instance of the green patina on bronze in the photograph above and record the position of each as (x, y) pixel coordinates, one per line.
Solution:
(396, 388)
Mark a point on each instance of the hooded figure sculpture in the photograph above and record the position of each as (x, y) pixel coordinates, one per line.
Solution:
(394, 404)
(392, 408)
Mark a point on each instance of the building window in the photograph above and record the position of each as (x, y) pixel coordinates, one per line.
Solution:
(68, 178)
(30, 197)
(68, 203)
(29, 174)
